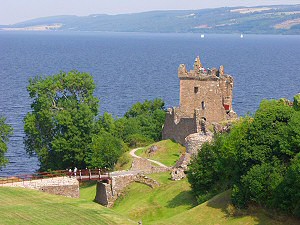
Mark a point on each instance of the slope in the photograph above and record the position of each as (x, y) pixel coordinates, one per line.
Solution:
(23, 206)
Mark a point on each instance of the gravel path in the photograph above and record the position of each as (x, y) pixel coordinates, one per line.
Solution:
(132, 153)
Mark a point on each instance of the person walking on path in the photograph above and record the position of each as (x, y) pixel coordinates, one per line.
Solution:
(70, 172)
(75, 171)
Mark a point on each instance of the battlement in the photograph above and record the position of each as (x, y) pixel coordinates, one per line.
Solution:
(205, 97)
(201, 73)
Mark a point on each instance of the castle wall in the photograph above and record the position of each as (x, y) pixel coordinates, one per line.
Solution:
(107, 194)
(65, 186)
(178, 128)
(204, 95)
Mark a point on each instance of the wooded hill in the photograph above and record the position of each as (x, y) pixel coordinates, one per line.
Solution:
(277, 19)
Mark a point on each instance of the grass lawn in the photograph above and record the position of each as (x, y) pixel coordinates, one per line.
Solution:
(168, 152)
(141, 202)
(173, 203)
(219, 210)
(24, 206)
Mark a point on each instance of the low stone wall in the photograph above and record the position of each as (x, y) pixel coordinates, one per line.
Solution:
(71, 191)
(146, 180)
(64, 186)
(142, 164)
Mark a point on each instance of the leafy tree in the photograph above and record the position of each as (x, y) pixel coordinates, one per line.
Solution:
(106, 150)
(258, 160)
(145, 108)
(124, 127)
(287, 195)
(297, 102)
(258, 184)
(59, 128)
(105, 122)
(5, 131)
(138, 140)
(150, 116)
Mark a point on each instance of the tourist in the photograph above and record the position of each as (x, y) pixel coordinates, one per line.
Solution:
(70, 172)
(75, 171)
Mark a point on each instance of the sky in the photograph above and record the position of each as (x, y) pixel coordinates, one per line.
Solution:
(13, 11)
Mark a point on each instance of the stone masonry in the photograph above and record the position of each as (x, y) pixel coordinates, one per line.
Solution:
(142, 164)
(64, 186)
(107, 194)
(205, 97)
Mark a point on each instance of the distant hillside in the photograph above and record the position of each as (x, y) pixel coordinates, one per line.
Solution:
(279, 19)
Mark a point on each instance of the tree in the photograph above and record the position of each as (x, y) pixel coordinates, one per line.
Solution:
(60, 126)
(5, 131)
(150, 116)
(106, 150)
(258, 160)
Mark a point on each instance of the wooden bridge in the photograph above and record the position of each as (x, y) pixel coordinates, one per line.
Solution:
(81, 175)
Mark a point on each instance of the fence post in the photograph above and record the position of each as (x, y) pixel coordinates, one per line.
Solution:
(80, 175)
(90, 174)
(99, 174)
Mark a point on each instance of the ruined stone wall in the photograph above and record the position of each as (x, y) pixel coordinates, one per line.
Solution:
(64, 186)
(107, 194)
(193, 142)
(71, 191)
(104, 194)
(178, 128)
(141, 164)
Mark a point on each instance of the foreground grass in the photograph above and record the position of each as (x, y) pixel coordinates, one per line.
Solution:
(173, 203)
(141, 202)
(88, 190)
(168, 152)
(219, 210)
(23, 206)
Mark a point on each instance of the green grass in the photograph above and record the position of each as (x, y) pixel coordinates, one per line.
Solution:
(124, 162)
(168, 152)
(173, 203)
(23, 206)
(219, 210)
(141, 202)
(88, 190)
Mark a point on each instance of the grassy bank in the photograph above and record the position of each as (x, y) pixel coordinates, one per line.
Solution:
(219, 210)
(141, 202)
(168, 152)
(173, 203)
(23, 206)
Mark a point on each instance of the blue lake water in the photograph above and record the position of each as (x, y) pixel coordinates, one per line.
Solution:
(131, 67)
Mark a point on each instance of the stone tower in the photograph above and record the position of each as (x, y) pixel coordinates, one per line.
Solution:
(205, 97)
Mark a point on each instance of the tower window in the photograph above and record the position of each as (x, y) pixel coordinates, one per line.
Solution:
(196, 89)
(203, 105)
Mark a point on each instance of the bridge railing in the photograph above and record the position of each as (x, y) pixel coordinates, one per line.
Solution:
(81, 175)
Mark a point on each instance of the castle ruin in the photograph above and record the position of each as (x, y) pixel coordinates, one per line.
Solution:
(205, 97)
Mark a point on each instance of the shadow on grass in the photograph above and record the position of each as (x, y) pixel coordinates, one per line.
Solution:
(183, 198)
(260, 215)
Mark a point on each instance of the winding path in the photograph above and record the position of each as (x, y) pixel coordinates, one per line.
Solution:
(132, 153)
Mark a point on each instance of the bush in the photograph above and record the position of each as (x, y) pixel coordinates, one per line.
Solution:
(138, 140)
(259, 160)
(105, 150)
